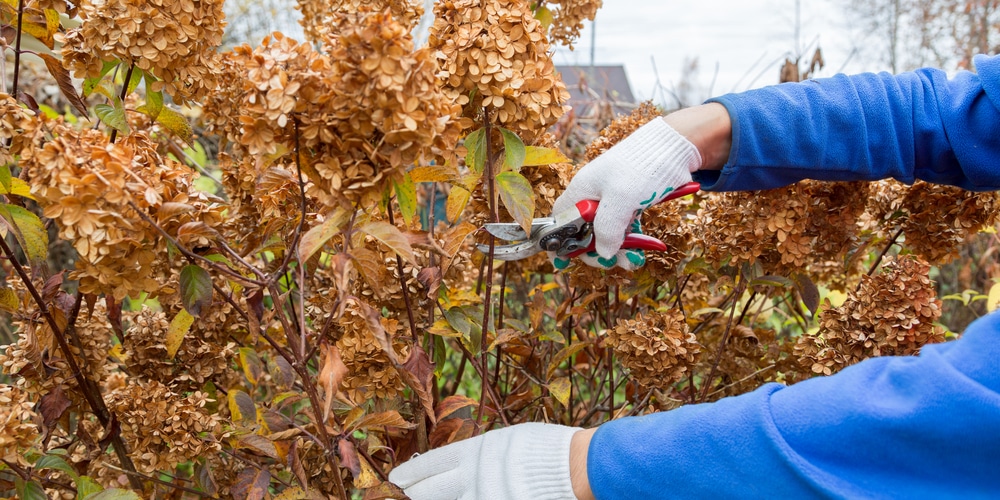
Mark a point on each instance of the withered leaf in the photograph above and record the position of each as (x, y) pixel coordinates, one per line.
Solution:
(295, 464)
(259, 444)
(251, 484)
(418, 371)
(65, 83)
(331, 373)
(384, 338)
(349, 456)
(205, 479)
(390, 418)
(196, 289)
(451, 404)
(391, 237)
(52, 405)
(430, 278)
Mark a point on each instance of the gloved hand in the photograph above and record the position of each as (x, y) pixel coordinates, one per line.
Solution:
(518, 462)
(634, 174)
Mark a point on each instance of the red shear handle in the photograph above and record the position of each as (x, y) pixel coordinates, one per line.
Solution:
(633, 241)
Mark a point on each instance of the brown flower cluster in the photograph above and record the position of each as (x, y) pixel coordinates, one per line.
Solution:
(16, 124)
(658, 349)
(195, 362)
(892, 313)
(494, 54)
(785, 229)
(87, 185)
(185, 431)
(620, 128)
(935, 219)
(18, 427)
(371, 374)
(174, 40)
(316, 14)
(355, 116)
(567, 20)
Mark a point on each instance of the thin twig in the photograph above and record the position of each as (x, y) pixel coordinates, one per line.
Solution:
(159, 481)
(17, 54)
(878, 261)
(725, 335)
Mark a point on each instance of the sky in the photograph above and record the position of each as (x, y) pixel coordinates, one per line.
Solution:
(739, 44)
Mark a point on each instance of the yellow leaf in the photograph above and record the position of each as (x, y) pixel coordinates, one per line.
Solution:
(458, 198)
(560, 389)
(317, 236)
(564, 354)
(391, 237)
(175, 122)
(993, 300)
(28, 230)
(537, 155)
(518, 197)
(241, 407)
(367, 477)
(433, 173)
(8, 300)
(179, 327)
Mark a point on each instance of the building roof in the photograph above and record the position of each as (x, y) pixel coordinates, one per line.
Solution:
(587, 84)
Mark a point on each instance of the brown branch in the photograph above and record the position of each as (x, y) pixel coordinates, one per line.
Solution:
(94, 400)
(878, 261)
(159, 481)
(725, 335)
(17, 53)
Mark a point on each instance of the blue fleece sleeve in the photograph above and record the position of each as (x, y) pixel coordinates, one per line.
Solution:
(924, 426)
(916, 125)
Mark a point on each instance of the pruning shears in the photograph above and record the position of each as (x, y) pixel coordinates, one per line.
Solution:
(568, 234)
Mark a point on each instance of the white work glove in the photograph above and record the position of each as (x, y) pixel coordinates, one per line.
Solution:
(525, 461)
(634, 174)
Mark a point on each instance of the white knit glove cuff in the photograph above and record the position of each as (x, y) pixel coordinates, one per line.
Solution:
(522, 461)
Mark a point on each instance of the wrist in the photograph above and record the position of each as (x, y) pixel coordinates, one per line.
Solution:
(709, 128)
(578, 449)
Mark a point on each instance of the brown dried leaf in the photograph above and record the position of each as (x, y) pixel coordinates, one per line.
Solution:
(387, 418)
(349, 456)
(451, 404)
(251, 484)
(52, 405)
(331, 373)
(384, 338)
(391, 237)
(295, 464)
(418, 371)
(65, 82)
(259, 444)
(430, 277)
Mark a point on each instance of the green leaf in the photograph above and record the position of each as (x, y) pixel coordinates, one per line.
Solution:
(179, 327)
(90, 84)
(317, 236)
(536, 155)
(514, 151)
(391, 237)
(5, 179)
(406, 196)
(28, 229)
(115, 494)
(544, 15)
(196, 289)
(133, 81)
(85, 487)
(113, 115)
(55, 463)
(30, 490)
(476, 157)
(518, 197)
(154, 100)
(771, 280)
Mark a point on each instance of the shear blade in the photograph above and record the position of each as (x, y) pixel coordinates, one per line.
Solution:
(516, 251)
(512, 231)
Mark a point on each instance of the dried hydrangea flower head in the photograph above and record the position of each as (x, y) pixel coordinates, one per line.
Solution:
(174, 40)
(658, 349)
(17, 125)
(891, 313)
(568, 17)
(18, 429)
(181, 423)
(935, 219)
(316, 14)
(86, 185)
(495, 54)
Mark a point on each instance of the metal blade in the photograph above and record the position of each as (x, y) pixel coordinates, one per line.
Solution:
(512, 231)
(511, 252)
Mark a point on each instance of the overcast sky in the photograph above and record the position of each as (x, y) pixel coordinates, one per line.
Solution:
(746, 40)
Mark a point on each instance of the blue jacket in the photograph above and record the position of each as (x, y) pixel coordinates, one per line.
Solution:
(926, 426)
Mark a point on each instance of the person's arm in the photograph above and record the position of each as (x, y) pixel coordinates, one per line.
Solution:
(890, 427)
(915, 125)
